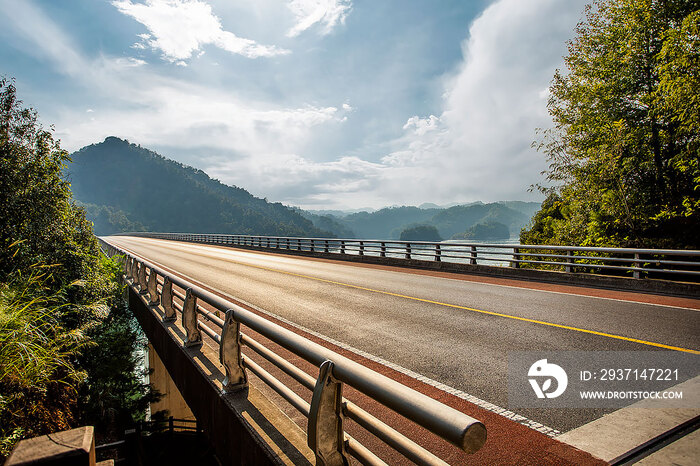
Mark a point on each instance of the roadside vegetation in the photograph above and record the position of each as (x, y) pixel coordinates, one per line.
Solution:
(624, 152)
(68, 345)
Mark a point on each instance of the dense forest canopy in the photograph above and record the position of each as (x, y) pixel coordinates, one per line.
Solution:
(624, 150)
(485, 231)
(125, 187)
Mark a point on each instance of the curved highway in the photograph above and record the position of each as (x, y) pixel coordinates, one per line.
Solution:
(451, 328)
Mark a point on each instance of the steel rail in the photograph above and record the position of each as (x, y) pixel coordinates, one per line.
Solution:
(384, 432)
(680, 252)
(361, 452)
(514, 255)
(288, 368)
(285, 392)
(390, 436)
(454, 426)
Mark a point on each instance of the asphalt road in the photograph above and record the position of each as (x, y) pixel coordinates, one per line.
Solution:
(442, 327)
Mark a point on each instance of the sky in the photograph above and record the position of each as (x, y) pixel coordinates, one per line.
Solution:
(321, 104)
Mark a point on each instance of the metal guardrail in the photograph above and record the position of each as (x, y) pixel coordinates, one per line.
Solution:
(327, 410)
(637, 263)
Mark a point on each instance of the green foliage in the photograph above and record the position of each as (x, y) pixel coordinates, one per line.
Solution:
(60, 301)
(37, 370)
(107, 220)
(115, 394)
(420, 233)
(133, 187)
(546, 224)
(487, 230)
(623, 152)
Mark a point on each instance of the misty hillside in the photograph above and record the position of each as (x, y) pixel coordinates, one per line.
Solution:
(125, 187)
(390, 222)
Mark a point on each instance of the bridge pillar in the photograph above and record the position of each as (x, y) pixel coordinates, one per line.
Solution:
(172, 400)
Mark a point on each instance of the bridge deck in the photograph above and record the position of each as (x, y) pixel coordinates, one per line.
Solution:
(453, 329)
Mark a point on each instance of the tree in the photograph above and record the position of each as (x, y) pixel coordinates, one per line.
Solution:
(67, 344)
(623, 151)
(420, 233)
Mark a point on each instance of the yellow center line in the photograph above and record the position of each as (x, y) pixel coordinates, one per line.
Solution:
(491, 313)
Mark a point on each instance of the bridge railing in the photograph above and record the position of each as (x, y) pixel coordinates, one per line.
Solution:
(328, 408)
(673, 264)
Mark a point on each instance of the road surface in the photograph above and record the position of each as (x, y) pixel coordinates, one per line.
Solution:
(451, 328)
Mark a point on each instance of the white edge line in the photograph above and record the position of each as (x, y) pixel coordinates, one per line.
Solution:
(537, 426)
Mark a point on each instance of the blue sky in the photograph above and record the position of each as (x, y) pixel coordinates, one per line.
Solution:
(316, 103)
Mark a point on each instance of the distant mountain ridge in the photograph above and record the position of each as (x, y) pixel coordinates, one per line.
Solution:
(124, 186)
(389, 222)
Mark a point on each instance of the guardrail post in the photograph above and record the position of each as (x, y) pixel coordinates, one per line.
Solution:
(142, 278)
(230, 354)
(312, 243)
(189, 320)
(298, 244)
(635, 273)
(514, 263)
(325, 249)
(166, 300)
(438, 253)
(154, 299)
(472, 258)
(408, 250)
(342, 247)
(325, 427)
(569, 260)
(382, 250)
(362, 248)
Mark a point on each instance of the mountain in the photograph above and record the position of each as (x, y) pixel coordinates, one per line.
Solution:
(485, 231)
(126, 187)
(389, 222)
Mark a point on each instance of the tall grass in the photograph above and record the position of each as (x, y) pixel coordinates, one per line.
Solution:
(37, 354)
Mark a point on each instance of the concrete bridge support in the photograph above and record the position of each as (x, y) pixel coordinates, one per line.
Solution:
(171, 400)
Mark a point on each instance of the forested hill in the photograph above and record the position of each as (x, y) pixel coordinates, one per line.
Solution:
(126, 187)
(388, 223)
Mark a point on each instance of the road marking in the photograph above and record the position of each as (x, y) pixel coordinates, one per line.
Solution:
(480, 311)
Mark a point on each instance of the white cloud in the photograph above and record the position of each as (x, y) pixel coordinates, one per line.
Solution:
(179, 28)
(164, 112)
(129, 62)
(326, 13)
(422, 125)
(480, 146)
